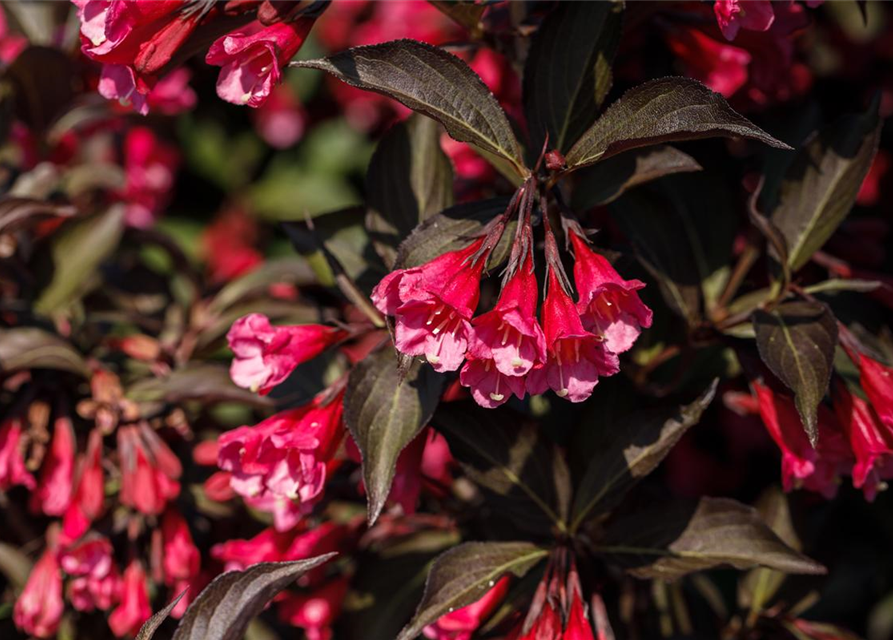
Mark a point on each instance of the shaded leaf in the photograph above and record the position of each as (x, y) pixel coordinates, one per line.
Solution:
(796, 340)
(667, 543)
(15, 565)
(206, 381)
(659, 111)
(453, 229)
(410, 179)
(568, 71)
(606, 181)
(147, 631)
(33, 348)
(463, 574)
(631, 450)
(512, 462)
(290, 270)
(44, 81)
(821, 185)
(77, 253)
(432, 82)
(384, 412)
(17, 213)
(467, 13)
(839, 285)
(223, 610)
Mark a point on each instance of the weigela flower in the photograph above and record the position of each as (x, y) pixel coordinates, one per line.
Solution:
(53, 492)
(95, 581)
(314, 612)
(489, 386)
(39, 609)
(433, 304)
(609, 305)
(802, 466)
(89, 495)
(149, 470)
(134, 608)
(12, 465)
(269, 545)
(182, 558)
(871, 442)
(576, 357)
(720, 66)
(252, 58)
(281, 120)
(283, 460)
(266, 355)
(149, 166)
(733, 15)
(877, 381)
(578, 626)
(462, 623)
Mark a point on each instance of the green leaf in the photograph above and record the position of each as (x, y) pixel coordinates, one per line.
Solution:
(836, 285)
(606, 181)
(629, 451)
(33, 348)
(821, 184)
(432, 82)
(223, 610)
(453, 229)
(289, 270)
(205, 381)
(519, 469)
(756, 589)
(659, 111)
(410, 179)
(77, 253)
(464, 574)
(667, 543)
(796, 340)
(568, 71)
(384, 412)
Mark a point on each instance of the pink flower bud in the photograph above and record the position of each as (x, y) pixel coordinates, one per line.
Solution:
(53, 492)
(39, 609)
(134, 609)
(462, 623)
(12, 465)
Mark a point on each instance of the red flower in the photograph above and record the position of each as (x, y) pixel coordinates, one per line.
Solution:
(802, 466)
(149, 166)
(315, 612)
(149, 470)
(266, 355)
(877, 381)
(39, 609)
(53, 492)
(267, 546)
(280, 464)
(578, 625)
(871, 442)
(134, 609)
(546, 626)
(433, 304)
(462, 623)
(252, 58)
(12, 466)
(89, 495)
(182, 559)
(95, 582)
(280, 121)
(720, 66)
(609, 305)
(576, 357)
(732, 15)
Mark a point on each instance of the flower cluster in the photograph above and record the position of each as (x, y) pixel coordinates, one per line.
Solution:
(139, 41)
(506, 350)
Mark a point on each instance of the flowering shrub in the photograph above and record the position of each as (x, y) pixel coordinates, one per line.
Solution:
(445, 320)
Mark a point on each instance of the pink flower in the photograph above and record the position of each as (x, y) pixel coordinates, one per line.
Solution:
(53, 492)
(149, 166)
(609, 305)
(732, 15)
(547, 624)
(282, 460)
(578, 625)
(802, 466)
(269, 545)
(280, 121)
(266, 355)
(95, 581)
(433, 304)
(576, 357)
(11, 44)
(134, 609)
(720, 66)
(228, 245)
(315, 612)
(182, 559)
(89, 495)
(872, 444)
(12, 466)
(489, 386)
(877, 381)
(149, 470)
(462, 623)
(172, 94)
(252, 57)
(39, 609)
